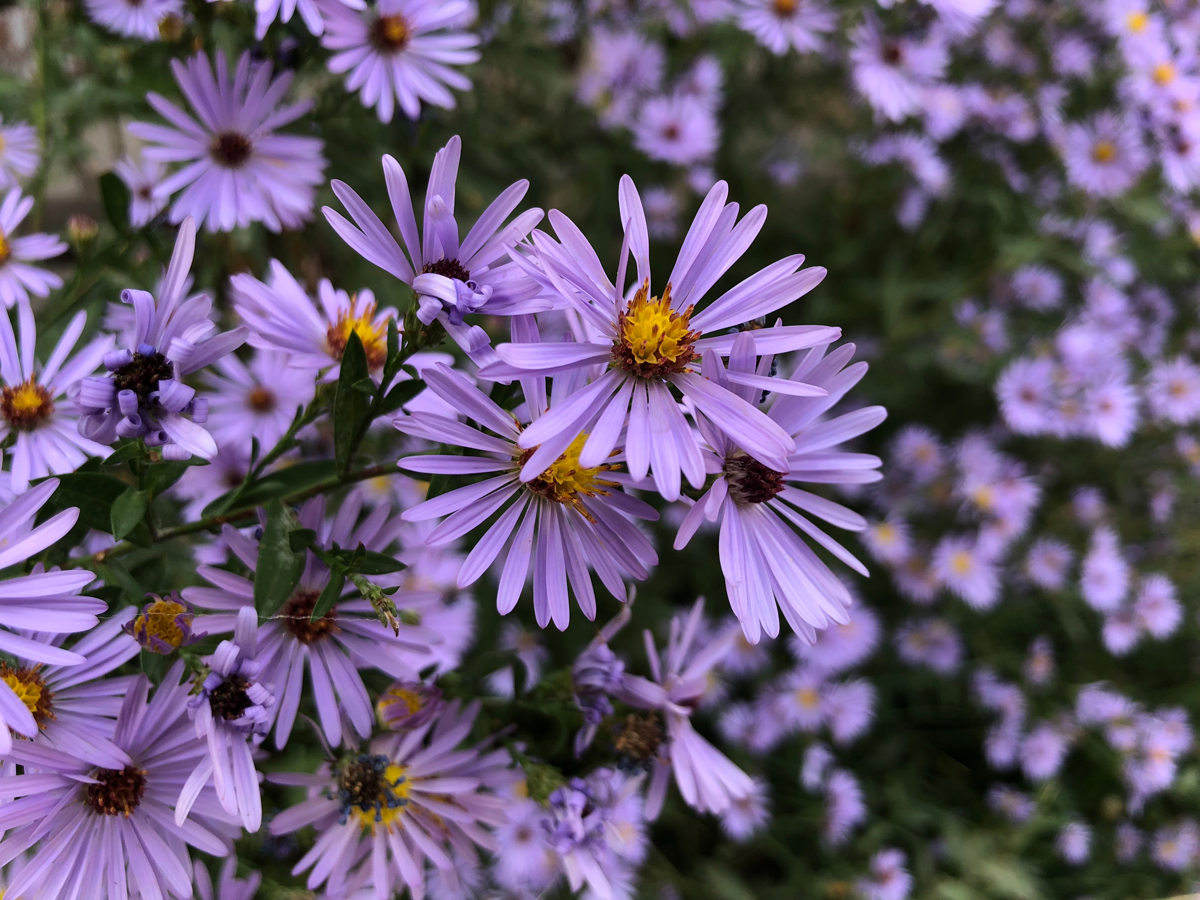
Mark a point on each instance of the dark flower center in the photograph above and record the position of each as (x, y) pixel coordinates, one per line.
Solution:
(361, 781)
(390, 34)
(26, 406)
(143, 373)
(671, 132)
(892, 54)
(261, 399)
(750, 481)
(297, 613)
(785, 9)
(229, 699)
(231, 149)
(450, 268)
(372, 789)
(117, 792)
(637, 738)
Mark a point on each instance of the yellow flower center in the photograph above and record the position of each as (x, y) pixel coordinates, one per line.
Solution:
(885, 533)
(387, 803)
(1164, 73)
(808, 698)
(1136, 22)
(1104, 151)
(31, 690)
(961, 563)
(5, 247)
(409, 700)
(785, 9)
(25, 406)
(566, 480)
(653, 339)
(159, 620)
(983, 496)
(361, 322)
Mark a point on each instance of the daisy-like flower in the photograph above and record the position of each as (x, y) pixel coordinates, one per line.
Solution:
(34, 402)
(163, 625)
(780, 25)
(636, 349)
(1105, 156)
(767, 565)
(336, 645)
(707, 779)
(889, 880)
(283, 10)
(449, 278)
(46, 602)
(239, 169)
(73, 705)
(678, 129)
(569, 519)
(113, 828)
(892, 73)
(134, 18)
(1173, 390)
(143, 394)
(20, 152)
(143, 177)
(18, 279)
(231, 715)
(400, 52)
(255, 399)
(968, 569)
(405, 800)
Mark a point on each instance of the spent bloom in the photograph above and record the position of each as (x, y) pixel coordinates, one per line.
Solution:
(238, 168)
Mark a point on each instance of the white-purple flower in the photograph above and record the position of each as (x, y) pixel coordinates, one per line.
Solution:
(782, 25)
(258, 398)
(19, 279)
(20, 152)
(134, 18)
(143, 177)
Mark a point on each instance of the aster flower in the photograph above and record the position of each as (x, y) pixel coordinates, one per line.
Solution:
(678, 129)
(230, 711)
(133, 18)
(144, 394)
(638, 348)
(19, 152)
(143, 177)
(619, 69)
(1104, 157)
(283, 10)
(706, 778)
(255, 399)
(403, 801)
(163, 625)
(568, 520)
(34, 404)
(1173, 391)
(114, 828)
(335, 646)
(1044, 750)
(780, 25)
(450, 279)
(844, 807)
(239, 170)
(889, 880)
(18, 279)
(765, 562)
(1038, 287)
(1104, 574)
(932, 643)
(966, 566)
(400, 52)
(73, 705)
(406, 705)
(1074, 843)
(891, 73)
(748, 814)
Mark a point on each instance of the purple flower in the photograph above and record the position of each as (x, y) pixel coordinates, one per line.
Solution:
(933, 643)
(1105, 156)
(1075, 843)
(164, 625)
(401, 51)
(892, 73)
(334, 646)
(889, 880)
(134, 18)
(780, 25)
(144, 394)
(239, 170)
(449, 278)
(569, 519)
(844, 807)
(283, 10)
(619, 69)
(406, 705)
(228, 887)
(143, 177)
(230, 713)
(37, 402)
(407, 799)
(677, 129)
(706, 778)
(72, 704)
(255, 399)
(767, 565)
(20, 152)
(18, 279)
(114, 827)
(1173, 391)
(638, 348)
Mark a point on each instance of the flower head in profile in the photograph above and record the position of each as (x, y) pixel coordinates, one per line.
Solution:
(767, 564)
(238, 168)
(402, 52)
(144, 395)
(451, 277)
(636, 349)
(404, 800)
(94, 820)
(134, 18)
(19, 279)
(37, 405)
(567, 521)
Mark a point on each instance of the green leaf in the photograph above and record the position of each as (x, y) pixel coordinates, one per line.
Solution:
(160, 476)
(115, 195)
(128, 510)
(375, 563)
(113, 571)
(329, 596)
(279, 567)
(131, 449)
(349, 404)
(301, 539)
(401, 394)
(93, 493)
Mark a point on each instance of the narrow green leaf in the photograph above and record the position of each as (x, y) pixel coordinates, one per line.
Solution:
(115, 195)
(329, 596)
(162, 475)
(279, 567)
(349, 404)
(131, 449)
(401, 394)
(375, 563)
(127, 511)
